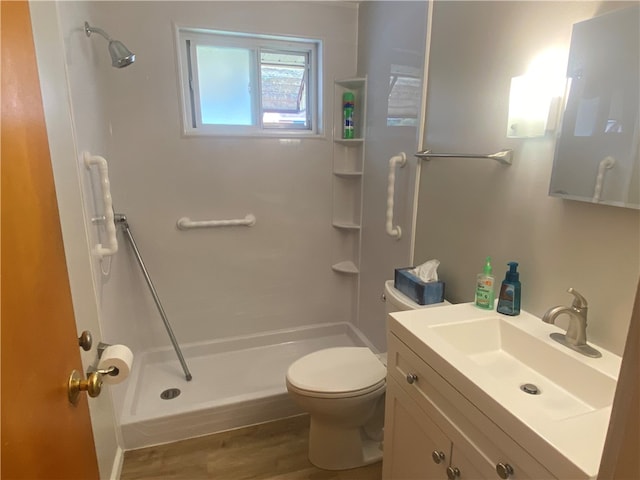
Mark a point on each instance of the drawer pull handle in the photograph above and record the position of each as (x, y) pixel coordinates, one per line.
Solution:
(411, 377)
(438, 457)
(453, 473)
(504, 470)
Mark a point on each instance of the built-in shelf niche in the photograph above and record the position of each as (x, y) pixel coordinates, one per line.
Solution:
(347, 267)
(348, 169)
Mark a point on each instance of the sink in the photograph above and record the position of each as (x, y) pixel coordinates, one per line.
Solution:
(561, 385)
(553, 401)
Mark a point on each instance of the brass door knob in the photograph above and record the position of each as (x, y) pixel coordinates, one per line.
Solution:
(92, 385)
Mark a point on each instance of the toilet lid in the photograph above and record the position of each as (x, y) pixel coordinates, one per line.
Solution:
(337, 370)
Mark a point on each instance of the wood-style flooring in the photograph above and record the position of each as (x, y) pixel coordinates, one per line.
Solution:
(273, 451)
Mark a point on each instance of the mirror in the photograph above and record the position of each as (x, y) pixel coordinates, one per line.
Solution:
(597, 155)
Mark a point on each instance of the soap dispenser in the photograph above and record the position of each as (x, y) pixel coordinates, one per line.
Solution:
(484, 287)
(509, 298)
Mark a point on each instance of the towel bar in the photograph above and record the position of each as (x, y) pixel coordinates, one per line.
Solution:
(503, 156)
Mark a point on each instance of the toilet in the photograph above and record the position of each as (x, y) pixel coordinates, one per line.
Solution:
(342, 389)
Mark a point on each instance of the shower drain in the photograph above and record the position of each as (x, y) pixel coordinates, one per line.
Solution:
(170, 393)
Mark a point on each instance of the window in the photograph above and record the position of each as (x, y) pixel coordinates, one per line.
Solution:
(405, 90)
(248, 84)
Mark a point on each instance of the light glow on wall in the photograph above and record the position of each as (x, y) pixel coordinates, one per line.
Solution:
(535, 97)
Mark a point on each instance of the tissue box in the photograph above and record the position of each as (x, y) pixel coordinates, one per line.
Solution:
(420, 292)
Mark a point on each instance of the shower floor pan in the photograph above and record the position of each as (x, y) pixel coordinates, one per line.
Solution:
(236, 382)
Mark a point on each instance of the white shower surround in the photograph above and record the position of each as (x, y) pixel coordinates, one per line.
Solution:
(224, 282)
(236, 382)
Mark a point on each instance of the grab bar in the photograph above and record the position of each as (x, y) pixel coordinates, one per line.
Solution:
(503, 156)
(400, 160)
(185, 223)
(605, 164)
(112, 242)
(122, 220)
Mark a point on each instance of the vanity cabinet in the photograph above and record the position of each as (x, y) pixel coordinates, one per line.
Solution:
(415, 447)
(434, 432)
(348, 169)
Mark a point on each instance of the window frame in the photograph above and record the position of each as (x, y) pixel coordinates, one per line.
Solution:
(255, 43)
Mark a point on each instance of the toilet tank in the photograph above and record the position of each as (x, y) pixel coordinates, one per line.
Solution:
(396, 301)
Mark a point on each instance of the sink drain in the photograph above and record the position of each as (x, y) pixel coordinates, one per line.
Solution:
(530, 388)
(170, 393)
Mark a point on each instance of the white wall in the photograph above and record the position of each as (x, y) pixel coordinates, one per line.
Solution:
(389, 33)
(472, 208)
(224, 282)
(61, 61)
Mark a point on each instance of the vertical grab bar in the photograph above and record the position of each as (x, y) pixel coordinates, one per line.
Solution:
(99, 250)
(122, 220)
(400, 160)
(605, 164)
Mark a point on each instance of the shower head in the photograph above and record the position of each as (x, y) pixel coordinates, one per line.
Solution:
(121, 56)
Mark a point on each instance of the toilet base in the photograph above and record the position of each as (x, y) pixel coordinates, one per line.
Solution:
(339, 448)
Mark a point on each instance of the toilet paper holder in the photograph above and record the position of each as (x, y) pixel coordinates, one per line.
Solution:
(111, 370)
(101, 348)
(93, 383)
(114, 361)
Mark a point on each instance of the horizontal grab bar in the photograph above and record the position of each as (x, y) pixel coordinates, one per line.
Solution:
(503, 156)
(185, 223)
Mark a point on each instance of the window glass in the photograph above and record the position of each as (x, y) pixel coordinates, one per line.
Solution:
(224, 80)
(283, 78)
(405, 90)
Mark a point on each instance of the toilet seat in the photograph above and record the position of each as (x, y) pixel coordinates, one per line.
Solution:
(338, 372)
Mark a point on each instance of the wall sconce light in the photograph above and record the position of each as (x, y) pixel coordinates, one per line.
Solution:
(536, 97)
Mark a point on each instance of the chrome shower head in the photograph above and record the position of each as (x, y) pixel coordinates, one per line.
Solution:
(121, 56)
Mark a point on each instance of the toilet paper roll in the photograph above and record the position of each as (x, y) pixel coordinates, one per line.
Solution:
(119, 356)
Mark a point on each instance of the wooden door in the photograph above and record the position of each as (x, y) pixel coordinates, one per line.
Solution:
(621, 448)
(43, 435)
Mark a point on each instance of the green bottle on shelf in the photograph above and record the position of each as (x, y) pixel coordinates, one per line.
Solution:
(348, 104)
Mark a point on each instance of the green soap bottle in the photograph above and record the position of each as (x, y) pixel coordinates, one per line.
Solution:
(485, 287)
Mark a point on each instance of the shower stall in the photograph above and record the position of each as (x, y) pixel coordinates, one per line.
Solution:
(243, 303)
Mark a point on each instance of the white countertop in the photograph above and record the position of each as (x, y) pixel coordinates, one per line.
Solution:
(568, 439)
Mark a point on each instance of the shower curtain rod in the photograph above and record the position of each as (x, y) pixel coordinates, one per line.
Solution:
(503, 156)
(121, 219)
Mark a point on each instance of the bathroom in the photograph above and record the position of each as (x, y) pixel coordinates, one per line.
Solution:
(276, 275)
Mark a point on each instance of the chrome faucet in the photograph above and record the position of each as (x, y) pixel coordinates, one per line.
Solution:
(576, 336)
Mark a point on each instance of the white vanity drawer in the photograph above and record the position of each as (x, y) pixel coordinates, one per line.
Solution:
(473, 434)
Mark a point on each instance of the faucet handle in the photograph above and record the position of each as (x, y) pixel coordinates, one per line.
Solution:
(578, 301)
